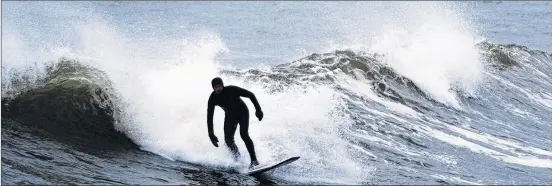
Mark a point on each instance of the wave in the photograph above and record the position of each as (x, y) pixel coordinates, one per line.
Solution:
(79, 105)
(511, 55)
(405, 111)
(74, 102)
(370, 68)
(78, 102)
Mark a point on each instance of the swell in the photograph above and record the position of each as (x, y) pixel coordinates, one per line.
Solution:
(368, 67)
(318, 68)
(72, 102)
(510, 55)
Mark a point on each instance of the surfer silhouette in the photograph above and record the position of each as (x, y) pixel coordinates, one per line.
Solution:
(236, 111)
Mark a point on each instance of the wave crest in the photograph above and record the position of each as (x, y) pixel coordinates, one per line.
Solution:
(74, 102)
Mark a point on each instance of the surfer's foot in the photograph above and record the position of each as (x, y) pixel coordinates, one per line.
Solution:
(253, 164)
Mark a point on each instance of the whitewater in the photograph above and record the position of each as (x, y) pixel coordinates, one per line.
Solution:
(364, 92)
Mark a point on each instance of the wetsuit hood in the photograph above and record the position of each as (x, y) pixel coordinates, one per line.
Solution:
(216, 81)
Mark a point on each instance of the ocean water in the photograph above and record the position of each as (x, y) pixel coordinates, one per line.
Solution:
(364, 92)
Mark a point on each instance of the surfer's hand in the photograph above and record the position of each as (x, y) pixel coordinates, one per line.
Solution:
(259, 114)
(214, 139)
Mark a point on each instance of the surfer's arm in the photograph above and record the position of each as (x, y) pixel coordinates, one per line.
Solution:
(248, 94)
(210, 113)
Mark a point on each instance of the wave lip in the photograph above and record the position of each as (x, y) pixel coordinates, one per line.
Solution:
(74, 103)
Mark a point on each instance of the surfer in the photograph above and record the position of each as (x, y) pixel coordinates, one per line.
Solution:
(228, 98)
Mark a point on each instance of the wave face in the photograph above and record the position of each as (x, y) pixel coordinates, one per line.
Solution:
(73, 102)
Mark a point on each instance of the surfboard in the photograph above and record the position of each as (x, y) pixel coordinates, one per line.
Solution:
(264, 168)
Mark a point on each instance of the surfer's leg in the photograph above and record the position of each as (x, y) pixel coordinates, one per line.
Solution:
(244, 133)
(230, 125)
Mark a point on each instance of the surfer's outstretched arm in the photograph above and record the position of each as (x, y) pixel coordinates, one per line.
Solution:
(210, 113)
(248, 94)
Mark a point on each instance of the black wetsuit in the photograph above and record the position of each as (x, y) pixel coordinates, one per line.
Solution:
(235, 112)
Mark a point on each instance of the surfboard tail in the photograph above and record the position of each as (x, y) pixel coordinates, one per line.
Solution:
(261, 169)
